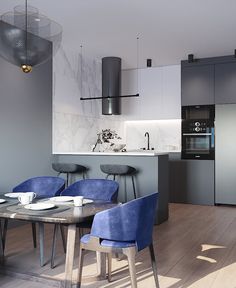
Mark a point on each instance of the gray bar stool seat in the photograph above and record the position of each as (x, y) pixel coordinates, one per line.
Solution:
(68, 169)
(119, 170)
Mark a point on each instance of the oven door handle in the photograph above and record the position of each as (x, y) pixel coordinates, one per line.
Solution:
(197, 134)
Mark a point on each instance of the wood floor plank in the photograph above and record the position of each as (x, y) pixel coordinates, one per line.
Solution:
(195, 248)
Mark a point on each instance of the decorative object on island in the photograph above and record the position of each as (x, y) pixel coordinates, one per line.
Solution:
(28, 38)
(111, 84)
(105, 141)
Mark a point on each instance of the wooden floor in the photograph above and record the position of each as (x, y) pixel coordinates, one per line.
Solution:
(196, 248)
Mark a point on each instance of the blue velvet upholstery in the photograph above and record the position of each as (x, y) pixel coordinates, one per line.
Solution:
(96, 189)
(44, 186)
(130, 222)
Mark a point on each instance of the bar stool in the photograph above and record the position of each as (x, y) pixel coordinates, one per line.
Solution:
(119, 170)
(69, 169)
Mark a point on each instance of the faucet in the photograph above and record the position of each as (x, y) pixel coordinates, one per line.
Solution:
(148, 139)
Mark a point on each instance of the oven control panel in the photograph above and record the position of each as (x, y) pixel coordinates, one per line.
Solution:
(199, 126)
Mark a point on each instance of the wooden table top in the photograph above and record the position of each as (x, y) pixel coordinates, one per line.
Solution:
(64, 213)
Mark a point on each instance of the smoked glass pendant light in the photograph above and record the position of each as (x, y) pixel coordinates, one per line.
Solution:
(27, 38)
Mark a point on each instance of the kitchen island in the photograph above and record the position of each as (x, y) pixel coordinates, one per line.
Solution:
(152, 173)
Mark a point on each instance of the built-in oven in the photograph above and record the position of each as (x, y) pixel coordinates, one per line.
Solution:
(198, 133)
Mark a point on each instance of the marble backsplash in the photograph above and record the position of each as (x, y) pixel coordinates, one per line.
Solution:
(165, 135)
(76, 133)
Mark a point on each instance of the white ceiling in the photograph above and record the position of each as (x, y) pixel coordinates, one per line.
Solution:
(169, 30)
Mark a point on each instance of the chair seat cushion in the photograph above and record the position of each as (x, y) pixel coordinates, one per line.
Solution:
(109, 243)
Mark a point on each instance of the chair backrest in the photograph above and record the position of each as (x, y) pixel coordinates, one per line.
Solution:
(44, 186)
(96, 189)
(132, 222)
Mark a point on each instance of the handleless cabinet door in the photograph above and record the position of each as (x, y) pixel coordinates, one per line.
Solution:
(197, 85)
(225, 83)
(225, 154)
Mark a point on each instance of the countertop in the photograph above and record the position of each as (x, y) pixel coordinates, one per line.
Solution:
(128, 153)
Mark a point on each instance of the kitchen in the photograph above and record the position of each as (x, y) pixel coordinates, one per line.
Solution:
(75, 73)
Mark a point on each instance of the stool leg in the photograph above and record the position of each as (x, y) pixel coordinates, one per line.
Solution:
(125, 185)
(67, 179)
(114, 177)
(135, 196)
(83, 175)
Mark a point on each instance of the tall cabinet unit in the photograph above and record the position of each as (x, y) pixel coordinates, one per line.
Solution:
(197, 84)
(225, 154)
(225, 83)
(203, 82)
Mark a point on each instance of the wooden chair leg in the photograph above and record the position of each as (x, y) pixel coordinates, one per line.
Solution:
(154, 265)
(130, 253)
(33, 226)
(63, 238)
(54, 242)
(101, 264)
(109, 261)
(81, 257)
(4, 234)
(41, 243)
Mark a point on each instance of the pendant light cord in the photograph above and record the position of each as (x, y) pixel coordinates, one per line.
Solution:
(137, 64)
(81, 70)
(26, 34)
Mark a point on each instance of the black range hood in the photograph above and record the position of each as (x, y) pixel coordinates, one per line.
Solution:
(111, 85)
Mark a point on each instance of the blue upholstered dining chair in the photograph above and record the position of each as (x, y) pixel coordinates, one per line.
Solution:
(95, 189)
(124, 229)
(44, 187)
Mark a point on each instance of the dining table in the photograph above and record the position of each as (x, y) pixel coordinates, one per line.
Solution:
(61, 213)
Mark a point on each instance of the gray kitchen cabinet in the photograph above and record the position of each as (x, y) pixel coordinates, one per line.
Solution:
(225, 83)
(225, 154)
(191, 181)
(197, 85)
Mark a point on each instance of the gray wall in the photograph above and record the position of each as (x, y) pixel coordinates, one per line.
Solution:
(25, 123)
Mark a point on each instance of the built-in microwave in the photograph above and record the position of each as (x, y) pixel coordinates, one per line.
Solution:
(198, 132)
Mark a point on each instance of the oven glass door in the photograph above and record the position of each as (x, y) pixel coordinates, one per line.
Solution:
(198, 146)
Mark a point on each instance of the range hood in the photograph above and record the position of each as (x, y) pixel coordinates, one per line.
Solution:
(111, 85)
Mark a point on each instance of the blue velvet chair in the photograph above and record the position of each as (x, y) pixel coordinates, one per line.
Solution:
(95, 189)
(124, 229)
(44, 187)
